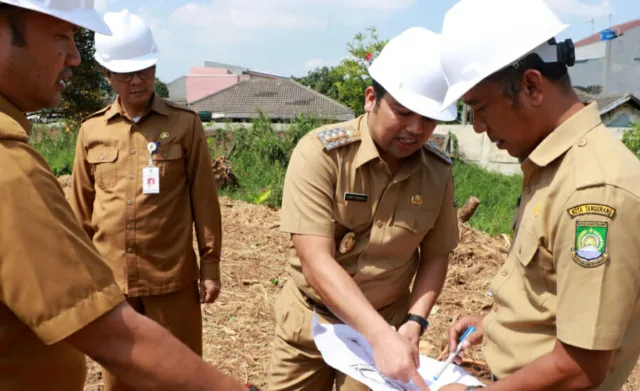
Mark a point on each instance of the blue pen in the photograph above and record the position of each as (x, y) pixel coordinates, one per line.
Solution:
(454, 354)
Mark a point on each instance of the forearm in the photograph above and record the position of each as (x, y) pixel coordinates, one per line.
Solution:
(146, 356)
(428, 285)
(547, 373)
(342, 296)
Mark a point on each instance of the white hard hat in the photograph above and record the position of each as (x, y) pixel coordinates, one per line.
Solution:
(408, 68)
(481, 37)
(82, 13)
(131, 48)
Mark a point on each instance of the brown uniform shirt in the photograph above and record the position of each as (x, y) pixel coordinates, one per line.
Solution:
(573, 271)
(391, 217)
(53, 282)
(147, 239)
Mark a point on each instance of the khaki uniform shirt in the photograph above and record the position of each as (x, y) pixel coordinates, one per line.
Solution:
(573, 271)
(53, 282)
(147, 239)
(346, 192)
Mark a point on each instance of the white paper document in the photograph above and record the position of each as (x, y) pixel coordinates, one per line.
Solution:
(347, 351)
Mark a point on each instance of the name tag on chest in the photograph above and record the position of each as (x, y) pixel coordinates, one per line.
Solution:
(151, 180)
(355, 197)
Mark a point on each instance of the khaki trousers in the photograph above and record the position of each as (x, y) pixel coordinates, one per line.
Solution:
(179, 312)
(296, 364)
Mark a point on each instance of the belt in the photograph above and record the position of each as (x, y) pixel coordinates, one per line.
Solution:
(314, 303)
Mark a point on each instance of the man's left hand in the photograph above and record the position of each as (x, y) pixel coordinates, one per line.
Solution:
(209, 291)
(454, 387)
(411, 331)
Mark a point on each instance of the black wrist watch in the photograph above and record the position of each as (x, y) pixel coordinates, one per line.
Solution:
(418, 319)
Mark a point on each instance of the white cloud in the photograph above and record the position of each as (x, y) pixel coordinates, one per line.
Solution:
(314, 63)
(380, 5)
(581, 8)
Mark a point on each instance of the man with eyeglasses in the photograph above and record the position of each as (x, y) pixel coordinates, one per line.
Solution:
(142, 180)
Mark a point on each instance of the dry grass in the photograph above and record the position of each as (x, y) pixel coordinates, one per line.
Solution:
(238, 328)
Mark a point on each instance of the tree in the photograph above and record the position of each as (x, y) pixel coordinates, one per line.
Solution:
(161, 88)
(322, 80)
(87, 89)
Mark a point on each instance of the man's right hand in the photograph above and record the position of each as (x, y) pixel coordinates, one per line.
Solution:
(396, 357)
(456, 331)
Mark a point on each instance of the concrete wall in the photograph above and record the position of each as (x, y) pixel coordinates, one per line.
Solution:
(477, 148)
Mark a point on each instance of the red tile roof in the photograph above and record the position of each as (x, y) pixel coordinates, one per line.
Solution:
(619, 29)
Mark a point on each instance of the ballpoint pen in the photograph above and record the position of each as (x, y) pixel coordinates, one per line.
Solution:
(455, 353)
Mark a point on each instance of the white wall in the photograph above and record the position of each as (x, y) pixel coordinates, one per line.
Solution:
(477, 148)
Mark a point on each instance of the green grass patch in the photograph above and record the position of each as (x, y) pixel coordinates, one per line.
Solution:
(56, 145)
(497, 194)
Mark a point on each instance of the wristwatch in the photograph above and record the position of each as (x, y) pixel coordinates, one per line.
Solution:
(418, 319)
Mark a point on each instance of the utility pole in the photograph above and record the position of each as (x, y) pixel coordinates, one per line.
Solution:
(607, 35)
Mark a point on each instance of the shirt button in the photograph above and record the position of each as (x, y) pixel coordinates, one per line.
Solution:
(582, 143)
(130, 202)
(504, 272)
(380, 224)
(164, 155)
(130, 250)
(131, 176)
(495, 308)
(133, 151)
(101, 157)
(527, 189)
(129, 226)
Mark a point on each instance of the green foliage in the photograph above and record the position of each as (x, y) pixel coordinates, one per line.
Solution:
(86, 91)
(497, 193)
(161, 88)
(260, 156)
(56, 145)
(348, 81)
(631, 138)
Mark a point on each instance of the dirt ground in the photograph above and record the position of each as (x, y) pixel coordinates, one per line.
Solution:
(238, 328)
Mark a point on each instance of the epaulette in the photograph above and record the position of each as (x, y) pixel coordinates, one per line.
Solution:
(96, 114)
(433, 148)
(338, 137)
(180, 106)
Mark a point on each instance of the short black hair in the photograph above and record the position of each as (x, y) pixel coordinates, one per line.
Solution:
(510, 78)
(379, 90)
(15, 19)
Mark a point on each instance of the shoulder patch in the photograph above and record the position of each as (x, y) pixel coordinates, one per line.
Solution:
(590, 244)
(179, 106)
(591, 209)
(96, 114)
(338, 137)
(433, 148)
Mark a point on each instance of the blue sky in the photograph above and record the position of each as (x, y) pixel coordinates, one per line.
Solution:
(290, 37)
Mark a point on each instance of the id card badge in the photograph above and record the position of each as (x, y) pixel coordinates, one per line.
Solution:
(151, 180)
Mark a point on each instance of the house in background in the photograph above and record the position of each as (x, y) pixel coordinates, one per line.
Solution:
(280, 99)
(624, 69)
(213, 77)
(617, 110)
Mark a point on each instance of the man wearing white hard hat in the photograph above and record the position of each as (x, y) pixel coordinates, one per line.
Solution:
(142, 181)
(369, 206)
(566, 312)
(58, 299)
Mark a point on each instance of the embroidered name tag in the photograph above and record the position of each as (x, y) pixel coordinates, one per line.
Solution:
(355, 197)
(596, 209)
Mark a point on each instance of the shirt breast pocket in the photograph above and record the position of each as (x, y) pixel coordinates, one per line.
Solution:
(354, 215)
(410, 227)
(169, 161)
(533, 265)
(104, 164)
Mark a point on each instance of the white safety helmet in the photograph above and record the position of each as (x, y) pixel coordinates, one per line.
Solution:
(408, 68)
(81, 13)
(481, 37)
(131, 48)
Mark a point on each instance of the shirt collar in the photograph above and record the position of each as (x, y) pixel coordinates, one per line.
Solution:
(564, 136)
(13, 123)
(367, 150)
(158, 105)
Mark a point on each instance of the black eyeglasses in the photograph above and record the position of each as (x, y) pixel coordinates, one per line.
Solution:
(144, 74)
